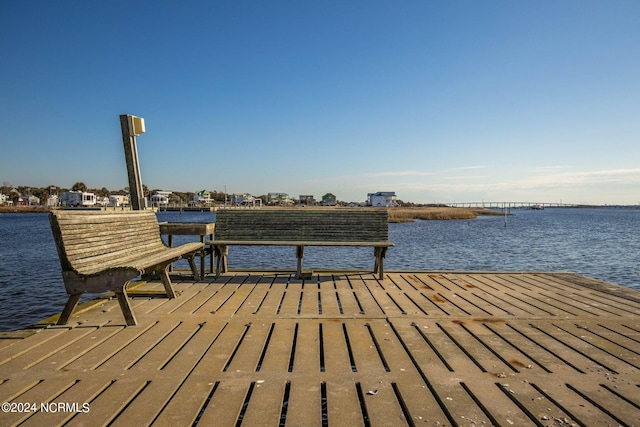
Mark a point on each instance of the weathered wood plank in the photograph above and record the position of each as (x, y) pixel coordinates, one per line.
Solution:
(107, 406)
(266, 404)
(305, 403)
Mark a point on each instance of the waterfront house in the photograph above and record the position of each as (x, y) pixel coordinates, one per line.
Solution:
(281, 199)
(382, 198)
(307, 200)
(202, 198)
(245, 199)
(329, 199)
(29, 200)
(52, 201)
(77, 198)
(102, 200)
(117, 200)
(161, 198)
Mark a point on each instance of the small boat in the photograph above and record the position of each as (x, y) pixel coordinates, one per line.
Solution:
(537, 207)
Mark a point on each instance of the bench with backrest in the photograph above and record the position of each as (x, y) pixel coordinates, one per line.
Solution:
(301, 227)
(103, 251)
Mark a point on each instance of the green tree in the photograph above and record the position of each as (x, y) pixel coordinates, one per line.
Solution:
(79, 186)
(42, 194)
(175, 199)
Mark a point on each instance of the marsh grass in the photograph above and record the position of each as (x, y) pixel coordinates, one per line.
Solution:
(441, 213)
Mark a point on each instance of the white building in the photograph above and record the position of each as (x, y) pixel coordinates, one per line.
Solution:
(52, 201)
(102, 200)
(77, 198)
(161, 198)
(116, 200)
(382, 198)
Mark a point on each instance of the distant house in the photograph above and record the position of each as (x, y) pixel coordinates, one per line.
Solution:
(29, 201)
(307, 200)
(382, 198)
(77, 198)
(4, 200)
(161, 198)
(117, 200)
(102, 200)
(52, 201)
(245, 199)
(279, 199)
(329, 200)
(202, 197)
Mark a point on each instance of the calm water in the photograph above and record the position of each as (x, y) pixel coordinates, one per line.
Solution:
(600, 243)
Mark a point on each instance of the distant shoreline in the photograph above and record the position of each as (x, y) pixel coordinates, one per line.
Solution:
(24, 209)
(395, 214)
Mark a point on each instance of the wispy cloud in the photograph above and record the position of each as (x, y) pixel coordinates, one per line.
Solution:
(586, 177)
(462, 168)
(465, 177)
(552, 168)
(367, 176)
(541, 181)
(397, 173)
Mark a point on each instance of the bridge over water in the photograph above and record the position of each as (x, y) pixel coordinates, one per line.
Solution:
(512, 205)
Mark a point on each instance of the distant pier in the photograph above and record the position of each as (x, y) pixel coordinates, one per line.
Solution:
(513, 205)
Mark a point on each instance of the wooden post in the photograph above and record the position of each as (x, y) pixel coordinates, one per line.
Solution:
(133, 167)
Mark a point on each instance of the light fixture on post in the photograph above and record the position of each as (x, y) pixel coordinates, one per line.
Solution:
(133, 126)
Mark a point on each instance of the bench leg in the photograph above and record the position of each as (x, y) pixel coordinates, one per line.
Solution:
(299, 255)
(378, 267)
(125, 306)
(194, 269)
(221, 253)
(71, 305)
(166, 280)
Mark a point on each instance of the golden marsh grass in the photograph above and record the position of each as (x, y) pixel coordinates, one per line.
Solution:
(443, 213)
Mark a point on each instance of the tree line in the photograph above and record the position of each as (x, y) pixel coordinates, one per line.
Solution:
(43, 193)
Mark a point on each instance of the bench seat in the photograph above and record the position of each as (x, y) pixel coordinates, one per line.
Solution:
(103, 251)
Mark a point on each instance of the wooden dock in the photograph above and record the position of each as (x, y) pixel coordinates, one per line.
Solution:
(341, 349)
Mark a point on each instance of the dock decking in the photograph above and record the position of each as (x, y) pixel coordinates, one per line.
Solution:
(342, 349)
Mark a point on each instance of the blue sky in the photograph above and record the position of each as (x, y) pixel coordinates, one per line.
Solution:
(439, 101)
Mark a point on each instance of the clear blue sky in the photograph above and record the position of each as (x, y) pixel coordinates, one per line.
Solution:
(436, 100)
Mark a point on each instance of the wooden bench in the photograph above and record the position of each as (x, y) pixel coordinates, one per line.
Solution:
(103, 251)
(301, 227)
